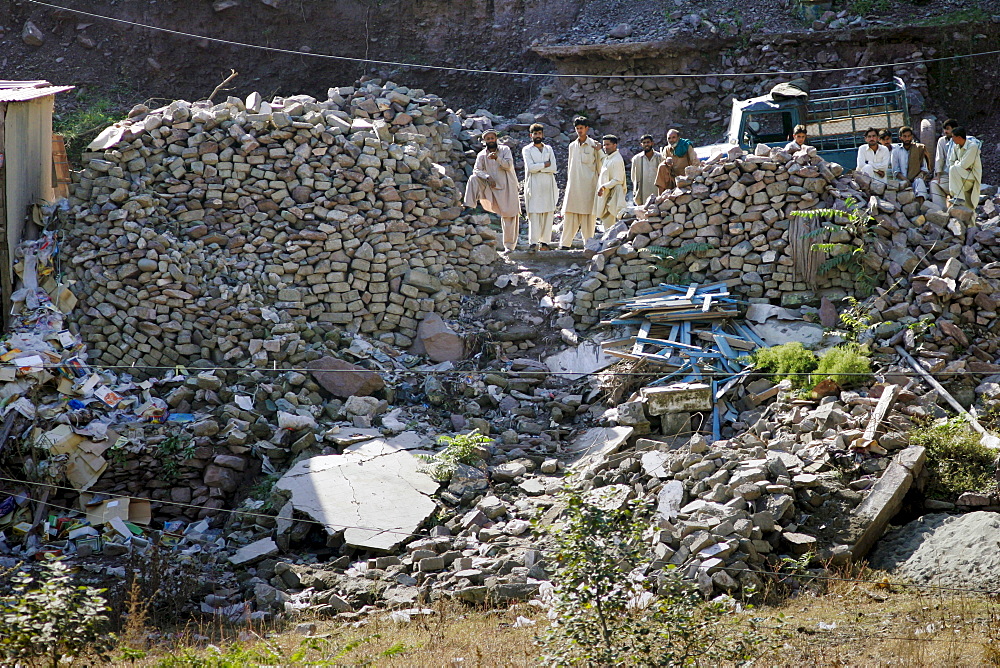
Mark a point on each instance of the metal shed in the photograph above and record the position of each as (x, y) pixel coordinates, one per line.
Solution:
(25, 164)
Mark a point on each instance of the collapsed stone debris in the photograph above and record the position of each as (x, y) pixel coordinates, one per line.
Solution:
(207, 244)
(224, 232)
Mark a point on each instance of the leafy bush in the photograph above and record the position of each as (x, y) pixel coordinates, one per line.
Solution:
(459, 449)
(48, 621)
(788, 361)
(847, 365)
(854, 220)
(605, 610)
(956, 461)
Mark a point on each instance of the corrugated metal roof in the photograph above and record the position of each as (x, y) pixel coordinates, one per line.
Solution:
(23, 91)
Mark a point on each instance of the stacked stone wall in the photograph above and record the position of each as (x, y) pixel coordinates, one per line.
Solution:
(231, 232)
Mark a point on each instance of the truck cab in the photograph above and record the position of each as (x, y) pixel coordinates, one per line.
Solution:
(835, 118)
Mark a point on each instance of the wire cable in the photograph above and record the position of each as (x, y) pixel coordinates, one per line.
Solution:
(770, 574)
(247, 513)
(469, 70)
(191, 371)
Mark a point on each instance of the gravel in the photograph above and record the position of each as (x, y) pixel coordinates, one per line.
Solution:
(944, 550)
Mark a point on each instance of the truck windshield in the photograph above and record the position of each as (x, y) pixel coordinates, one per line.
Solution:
(766, 127)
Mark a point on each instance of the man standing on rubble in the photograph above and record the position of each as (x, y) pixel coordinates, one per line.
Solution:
(494, 185)
(582, 168)
(678, 154)
(908, 162)
(942, 159)
(965, 171)
(644, 166)
(540, 190)
(873, 157)
(610, 198)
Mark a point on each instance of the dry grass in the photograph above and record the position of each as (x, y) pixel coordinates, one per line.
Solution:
(880, 624)
(869, 624)
(453, 635)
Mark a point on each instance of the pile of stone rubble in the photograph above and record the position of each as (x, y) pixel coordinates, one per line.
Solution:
(212, 232)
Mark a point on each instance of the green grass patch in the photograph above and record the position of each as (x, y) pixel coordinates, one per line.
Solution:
(869, 7)
(951, 18)
(956, 461)
(789, 361)
(79, 126)
(847, 365)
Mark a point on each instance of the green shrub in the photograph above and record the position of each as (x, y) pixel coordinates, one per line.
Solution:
(459, 449)
(50, 620)
(847, 365)
(789, 360)
(606, 613)
(956, 461)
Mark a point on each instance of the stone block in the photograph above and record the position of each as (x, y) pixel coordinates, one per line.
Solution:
(678, 398)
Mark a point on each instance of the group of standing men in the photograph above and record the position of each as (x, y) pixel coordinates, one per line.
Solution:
(955, 170)
(595, 182)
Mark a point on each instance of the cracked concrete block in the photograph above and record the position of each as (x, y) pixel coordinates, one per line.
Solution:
(886, 498)
(375, 494)
(678, 398)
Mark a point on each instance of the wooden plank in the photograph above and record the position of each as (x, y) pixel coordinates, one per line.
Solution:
(692, 289)
(643, 333)
(707, 304)
(989, 440)
(885, 404)
(749, 332)
(616, 343)
(61, 178)
(724, 348)
(673, 344)
(733, 340)
(716, 418)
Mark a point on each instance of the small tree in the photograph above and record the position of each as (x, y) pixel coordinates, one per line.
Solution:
(605, 610)
(459, 449)
(50, 621)
(856, 221)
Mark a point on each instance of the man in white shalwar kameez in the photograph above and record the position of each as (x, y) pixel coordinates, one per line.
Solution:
(942, 160)
(644, 166)
(540, 190)
(493, 184)
(610, 199)
(873, 157)
(582, 168)
(965, 173)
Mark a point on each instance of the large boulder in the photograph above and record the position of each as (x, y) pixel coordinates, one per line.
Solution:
(343, 379)
(438, 341)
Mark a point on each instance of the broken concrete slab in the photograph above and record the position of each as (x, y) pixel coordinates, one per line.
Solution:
(343, 379)
(255, 551)
(376, 495)
(775, 332)
(590, 447)
(677, 398)
(574, 363)
(669, 500)
(886, 498)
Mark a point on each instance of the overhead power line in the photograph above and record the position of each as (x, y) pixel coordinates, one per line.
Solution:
(471, 70)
